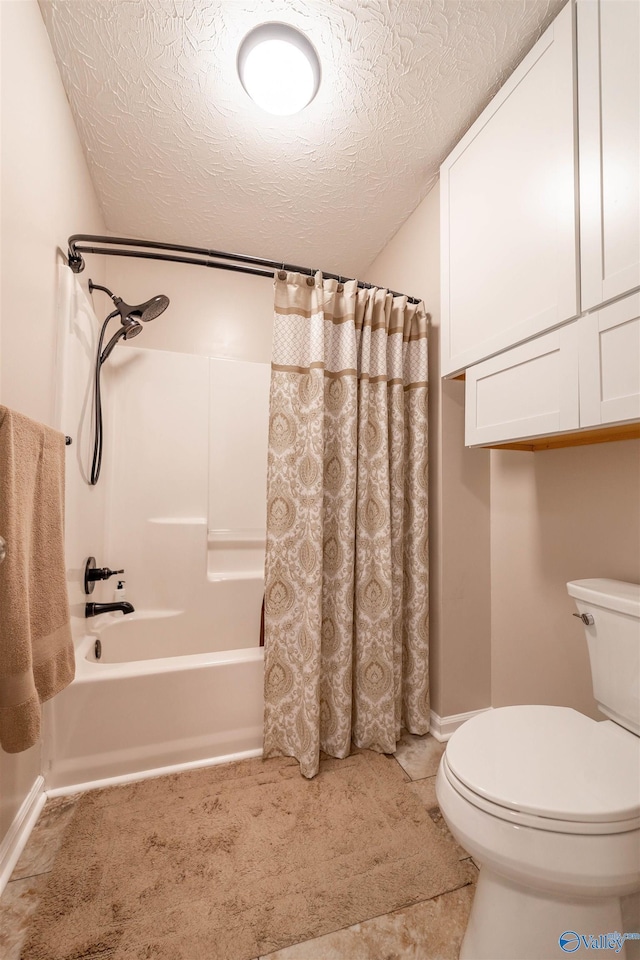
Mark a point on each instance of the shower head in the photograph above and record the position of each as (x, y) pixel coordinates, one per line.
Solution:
(146, 311)
(130, 328)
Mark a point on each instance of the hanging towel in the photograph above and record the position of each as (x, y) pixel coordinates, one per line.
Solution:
(36, 649)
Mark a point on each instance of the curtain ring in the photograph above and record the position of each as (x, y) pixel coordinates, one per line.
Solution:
(282, 273)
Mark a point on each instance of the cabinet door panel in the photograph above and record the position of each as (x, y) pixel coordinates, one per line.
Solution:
(609, 137)
(509, 250)
(610, 363)
(530, 390)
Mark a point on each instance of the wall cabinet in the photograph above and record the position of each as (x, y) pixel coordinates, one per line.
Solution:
(508, 210)
(609, 148)
(584, 374)
(548, 329)
(610, 363)
(530, 390)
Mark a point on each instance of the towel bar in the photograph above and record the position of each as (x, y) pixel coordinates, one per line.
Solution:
(68, 441)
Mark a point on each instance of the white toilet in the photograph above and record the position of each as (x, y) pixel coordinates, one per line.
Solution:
(547, 801)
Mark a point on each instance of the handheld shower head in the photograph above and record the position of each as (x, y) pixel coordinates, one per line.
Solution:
(130, 328)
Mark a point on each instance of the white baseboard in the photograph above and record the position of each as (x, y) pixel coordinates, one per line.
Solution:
(13, 843)
(441, 728)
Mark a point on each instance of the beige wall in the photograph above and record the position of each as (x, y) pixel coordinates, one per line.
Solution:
(508, 530)
(212, 312)
(556, 515)
(46, 196)
(459, 488)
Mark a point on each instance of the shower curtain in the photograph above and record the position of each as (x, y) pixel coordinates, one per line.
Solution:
(346, 577)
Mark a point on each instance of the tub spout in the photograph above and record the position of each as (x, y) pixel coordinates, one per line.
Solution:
(93, 609)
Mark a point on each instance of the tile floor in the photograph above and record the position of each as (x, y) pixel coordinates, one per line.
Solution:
(20, 896)
(431, 930)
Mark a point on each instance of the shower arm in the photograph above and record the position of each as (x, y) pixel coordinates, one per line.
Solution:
(97, 286)
(199, 256)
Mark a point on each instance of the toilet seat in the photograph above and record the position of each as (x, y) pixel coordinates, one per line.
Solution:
(521, 819)
(550, 768)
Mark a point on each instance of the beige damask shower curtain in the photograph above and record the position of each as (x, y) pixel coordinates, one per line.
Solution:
(346, 581)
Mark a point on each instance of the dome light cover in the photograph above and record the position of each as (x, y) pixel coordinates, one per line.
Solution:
(279, 68)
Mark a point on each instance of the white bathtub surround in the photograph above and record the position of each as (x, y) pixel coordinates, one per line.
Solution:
(192, 430)
(346, 612)
(156, 469)
(236, 553)
(229, 621)
(238, 431)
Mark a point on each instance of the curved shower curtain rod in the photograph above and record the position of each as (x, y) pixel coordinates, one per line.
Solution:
(147, 249)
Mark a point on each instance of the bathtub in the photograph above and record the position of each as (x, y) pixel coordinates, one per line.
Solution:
(172, 689)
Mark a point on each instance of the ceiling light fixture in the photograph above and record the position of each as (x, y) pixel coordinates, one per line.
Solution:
(279, 68)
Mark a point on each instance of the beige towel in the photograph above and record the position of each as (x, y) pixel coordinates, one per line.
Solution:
(36, 649)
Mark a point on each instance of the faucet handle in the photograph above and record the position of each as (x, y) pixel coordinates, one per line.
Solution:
(93, 573)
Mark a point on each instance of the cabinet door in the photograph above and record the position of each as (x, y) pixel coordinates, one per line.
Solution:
(609, 137)
(508, 210)
(528, 391)
(610, 363)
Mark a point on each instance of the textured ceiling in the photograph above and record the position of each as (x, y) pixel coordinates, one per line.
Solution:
(178, 152)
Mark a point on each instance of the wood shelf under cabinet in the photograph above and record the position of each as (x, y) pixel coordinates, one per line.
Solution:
(608, 434)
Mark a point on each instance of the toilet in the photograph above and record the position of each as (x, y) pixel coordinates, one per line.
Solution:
(547, 801)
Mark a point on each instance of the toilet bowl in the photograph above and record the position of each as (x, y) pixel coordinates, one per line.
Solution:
(547, 801)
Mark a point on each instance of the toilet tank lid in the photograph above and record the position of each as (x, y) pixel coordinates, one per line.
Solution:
(611, 594)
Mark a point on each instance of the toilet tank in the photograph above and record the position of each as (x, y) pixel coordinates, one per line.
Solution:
(613, 639)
